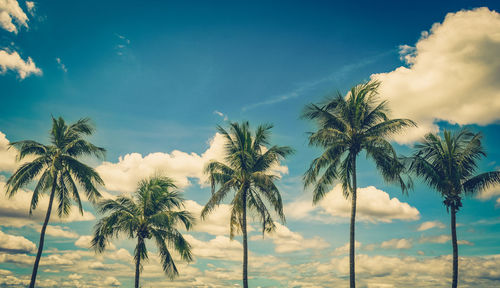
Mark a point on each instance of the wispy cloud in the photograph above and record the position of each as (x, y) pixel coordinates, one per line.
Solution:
(61, 65)
(30, 5)
(430, 224)
(305, 87)
(224, 116)
(124, 42)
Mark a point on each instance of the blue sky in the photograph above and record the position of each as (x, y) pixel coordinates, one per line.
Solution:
(157, 77)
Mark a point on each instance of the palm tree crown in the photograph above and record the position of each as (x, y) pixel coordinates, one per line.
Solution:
(448, 165)
(58, 165)
(247, 171)
(154, 212)
(347, 126)
(59, 170)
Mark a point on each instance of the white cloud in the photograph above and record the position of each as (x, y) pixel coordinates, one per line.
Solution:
(435, 239)
(405, 271)
(221, 115)
(12, 61)
(400, 243)
(56, 231)
(489, 193)
(216, 223)
(220, 247)
(124, 175)
(430, 224)
(287, 241)
(15, 244)
(25, 260)
(465, 242)
(84, 242)
(30, 5)
(452, 75)
(75, 276)
(15, 211)
(111, 281)
(344, 249)
(180, 166)
(12, 16)
(373, 205)
(7, 155)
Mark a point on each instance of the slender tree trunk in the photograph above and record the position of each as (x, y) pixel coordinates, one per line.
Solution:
(138, 263)
(352, 273)
(245, 243)
(42, 236)
(455, 247)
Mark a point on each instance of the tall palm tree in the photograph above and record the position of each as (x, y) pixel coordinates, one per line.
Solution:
(154, 212)
(448, 165)
(347, 126)
(61, 172)
(247, 172)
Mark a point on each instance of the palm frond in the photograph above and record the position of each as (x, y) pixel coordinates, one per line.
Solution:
(481, 182)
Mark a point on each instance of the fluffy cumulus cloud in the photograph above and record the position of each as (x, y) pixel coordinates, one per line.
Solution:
(287, 241)
(452, 74)
(391, 271)
(13, 61)
(392, 244)
(111, 281)
(12, 16)
(84, 242)
(344, 249)
(400, 243)
(490, 192)
(15, 244)
(124, 175)
(373, 205)
(216, 223)
(431, 224)
(55, 231)
(15, 212)
(8, 154)
(220, 247)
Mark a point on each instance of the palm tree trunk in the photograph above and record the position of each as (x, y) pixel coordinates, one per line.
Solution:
(455, 247)
(352, 273)
(42, 236)
(245, 243)
(138, 263)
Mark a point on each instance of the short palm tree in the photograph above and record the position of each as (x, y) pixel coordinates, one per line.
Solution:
(347, 126)
(247, 171)
(154, 212)
(448, 165)
(59, 170)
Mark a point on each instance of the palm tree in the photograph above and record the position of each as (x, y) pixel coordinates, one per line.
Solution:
(448, 165)
(347, 126)
(247, 171)
(154, 212)
(59, 170)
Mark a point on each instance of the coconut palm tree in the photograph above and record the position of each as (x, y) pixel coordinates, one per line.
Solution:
(448, 165)
(61, 173)
(154, 212)
(347, 126)
(247, 170)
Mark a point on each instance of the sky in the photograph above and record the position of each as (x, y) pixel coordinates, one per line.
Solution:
(157, 77)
